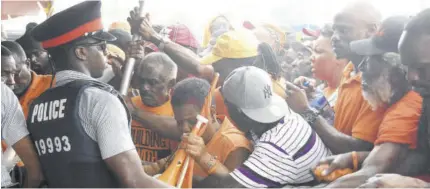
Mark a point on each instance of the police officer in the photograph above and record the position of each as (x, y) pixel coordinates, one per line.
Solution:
(80, 127)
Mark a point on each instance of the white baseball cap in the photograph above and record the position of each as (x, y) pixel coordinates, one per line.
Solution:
(250, 89)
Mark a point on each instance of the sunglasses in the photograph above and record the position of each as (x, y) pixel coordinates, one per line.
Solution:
(100, 45)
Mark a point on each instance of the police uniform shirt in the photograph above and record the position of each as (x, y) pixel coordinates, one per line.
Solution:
(102, 115)
(13, 125)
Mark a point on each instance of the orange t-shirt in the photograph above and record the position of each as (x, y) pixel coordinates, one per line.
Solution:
(354, 116)
(221, 109)
(400, 123)
(226, 140)
(38, 85)
(150, 145)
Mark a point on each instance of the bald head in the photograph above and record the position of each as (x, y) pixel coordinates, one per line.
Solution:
(361, 11)
(359, 20)
(154, 77)
(158, 64)
(18, 52)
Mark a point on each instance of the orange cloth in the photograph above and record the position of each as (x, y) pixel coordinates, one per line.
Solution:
(3, 145)
(226, 140)
(150, 145)
(221, 109)
(400, 123)
(354, 116)
(38, 85)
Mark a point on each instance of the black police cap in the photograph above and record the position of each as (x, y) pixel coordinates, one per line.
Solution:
(83, 19)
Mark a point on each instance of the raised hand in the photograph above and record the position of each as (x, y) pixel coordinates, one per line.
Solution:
(296, 98)
(141, 25)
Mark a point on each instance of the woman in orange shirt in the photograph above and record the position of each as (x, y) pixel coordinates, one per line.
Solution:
(220, 141)
(325, 66)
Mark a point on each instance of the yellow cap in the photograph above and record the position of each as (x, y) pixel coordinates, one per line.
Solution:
(115, 51)
(233, 44)
(121, 25)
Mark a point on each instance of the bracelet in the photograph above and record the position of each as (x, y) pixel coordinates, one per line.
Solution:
(211, 164)
(156, 41)
(159, 42)
(310, 115)
(213, 169)
(354, 160)
(161, 46)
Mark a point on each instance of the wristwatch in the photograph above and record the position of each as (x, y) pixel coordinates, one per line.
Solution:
(161, 45)
(310, 115)
(159, 42)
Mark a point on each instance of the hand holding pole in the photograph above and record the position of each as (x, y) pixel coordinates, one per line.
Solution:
(125, 82)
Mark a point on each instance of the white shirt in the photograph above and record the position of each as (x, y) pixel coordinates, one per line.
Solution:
(102, 115)
(333, 98)
(13, 125)
(282, 155)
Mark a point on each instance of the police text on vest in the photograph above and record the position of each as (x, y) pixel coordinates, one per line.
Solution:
(48, 110)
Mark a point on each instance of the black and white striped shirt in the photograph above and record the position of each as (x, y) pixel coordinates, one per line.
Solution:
(282, 155)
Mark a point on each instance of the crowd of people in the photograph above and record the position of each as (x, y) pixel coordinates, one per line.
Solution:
(64, 123)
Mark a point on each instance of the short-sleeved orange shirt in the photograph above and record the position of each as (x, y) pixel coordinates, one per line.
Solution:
(150, 145)
(221, 109)
(38, 85)
(353, 115)
(400, 123)
(226, 140)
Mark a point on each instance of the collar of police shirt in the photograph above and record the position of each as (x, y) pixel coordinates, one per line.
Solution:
(108, 147)
(67, 76)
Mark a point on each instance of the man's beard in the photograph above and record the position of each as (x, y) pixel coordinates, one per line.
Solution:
(379, 93)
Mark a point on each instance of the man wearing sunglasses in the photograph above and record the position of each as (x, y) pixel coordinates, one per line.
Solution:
(80, 127)
(36, 54)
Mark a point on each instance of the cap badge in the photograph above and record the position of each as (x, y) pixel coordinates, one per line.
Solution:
(267, 91)
(380, 33)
